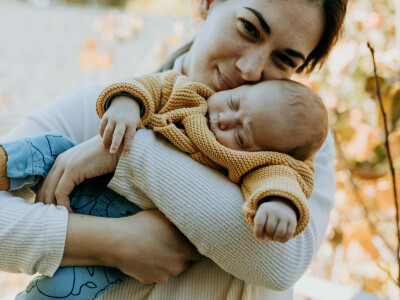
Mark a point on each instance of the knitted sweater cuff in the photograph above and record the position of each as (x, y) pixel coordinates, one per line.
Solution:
(134, 92)
(111, 98)
(280, 186)
(4, 180)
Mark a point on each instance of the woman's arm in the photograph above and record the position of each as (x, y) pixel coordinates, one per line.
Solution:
(145, 246)
(206, 207)
(34, 237)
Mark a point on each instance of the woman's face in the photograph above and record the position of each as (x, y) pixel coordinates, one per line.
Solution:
(247, 41)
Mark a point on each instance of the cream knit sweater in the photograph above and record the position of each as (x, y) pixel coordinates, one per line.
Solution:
(171, 99)
(32, 237)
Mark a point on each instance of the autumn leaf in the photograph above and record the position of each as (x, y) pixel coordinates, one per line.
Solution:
(361, 232)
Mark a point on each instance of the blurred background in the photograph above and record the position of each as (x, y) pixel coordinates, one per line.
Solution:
(49, 47)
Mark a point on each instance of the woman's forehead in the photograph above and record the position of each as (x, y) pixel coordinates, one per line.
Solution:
(296, 21)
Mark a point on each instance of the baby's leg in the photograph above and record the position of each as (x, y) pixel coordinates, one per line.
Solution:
(30, 159)
(92, 197)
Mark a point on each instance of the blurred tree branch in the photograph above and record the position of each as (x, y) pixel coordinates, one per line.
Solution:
(387, 273)
(378, 93)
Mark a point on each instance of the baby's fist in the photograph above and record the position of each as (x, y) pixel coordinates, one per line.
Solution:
(275, 220)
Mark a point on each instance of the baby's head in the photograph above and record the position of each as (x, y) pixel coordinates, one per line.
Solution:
(276, 115)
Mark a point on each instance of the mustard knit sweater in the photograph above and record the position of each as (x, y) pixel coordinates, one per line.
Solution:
(175, 107)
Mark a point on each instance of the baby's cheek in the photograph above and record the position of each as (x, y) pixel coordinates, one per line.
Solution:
(220, 138)
(227, 139)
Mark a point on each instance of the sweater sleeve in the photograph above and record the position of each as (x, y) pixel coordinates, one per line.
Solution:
(206, 207)
(32, 236)
(153, 90)
(295, 183)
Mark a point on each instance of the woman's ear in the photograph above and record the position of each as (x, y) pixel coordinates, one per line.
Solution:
(204, 7)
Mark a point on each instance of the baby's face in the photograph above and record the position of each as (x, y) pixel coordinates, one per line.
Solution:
(247, 118)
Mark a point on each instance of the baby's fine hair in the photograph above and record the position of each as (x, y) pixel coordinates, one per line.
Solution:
(306, 110)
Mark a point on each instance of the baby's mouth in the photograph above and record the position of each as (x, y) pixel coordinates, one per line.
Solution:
(212, 123)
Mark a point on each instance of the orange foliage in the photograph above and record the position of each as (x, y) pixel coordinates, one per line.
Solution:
(5, 100)
(92, 58)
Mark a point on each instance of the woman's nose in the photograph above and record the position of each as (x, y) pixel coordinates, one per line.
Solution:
(252, 66)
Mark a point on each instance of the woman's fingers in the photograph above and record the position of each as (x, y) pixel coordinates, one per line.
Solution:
(63, 190)
(45, 193)
(150, 248)
(84, 161)
(55, 188)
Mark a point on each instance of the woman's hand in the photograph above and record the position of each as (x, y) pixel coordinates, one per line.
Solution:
(145, 246)
(84, 161)
(154, 250)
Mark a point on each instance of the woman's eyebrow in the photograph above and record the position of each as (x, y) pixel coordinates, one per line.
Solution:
(267, 30)
(261, 19)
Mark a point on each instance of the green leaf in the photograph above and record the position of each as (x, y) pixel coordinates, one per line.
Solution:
(395, 116)
(380, 152)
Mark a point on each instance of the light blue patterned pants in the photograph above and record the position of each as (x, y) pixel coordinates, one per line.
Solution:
(29, 160)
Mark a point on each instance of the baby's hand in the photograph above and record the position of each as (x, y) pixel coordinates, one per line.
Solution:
(275, 220)
(119, 123)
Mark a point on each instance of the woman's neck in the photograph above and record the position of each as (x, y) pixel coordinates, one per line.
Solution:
(185, 63)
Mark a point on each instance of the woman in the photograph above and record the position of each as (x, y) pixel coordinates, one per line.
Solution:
(240, 42)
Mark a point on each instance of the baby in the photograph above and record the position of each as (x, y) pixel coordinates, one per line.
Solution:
(262, 136)
(280, 115)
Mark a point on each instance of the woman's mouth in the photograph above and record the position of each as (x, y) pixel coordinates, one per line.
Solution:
(224, 82)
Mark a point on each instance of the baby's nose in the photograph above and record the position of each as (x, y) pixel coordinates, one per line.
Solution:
(224, 121)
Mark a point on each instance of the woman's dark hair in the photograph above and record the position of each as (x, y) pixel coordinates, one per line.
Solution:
(334, 12)
(169, 62)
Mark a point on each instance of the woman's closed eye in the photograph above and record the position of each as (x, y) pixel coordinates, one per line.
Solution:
(250, 29)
